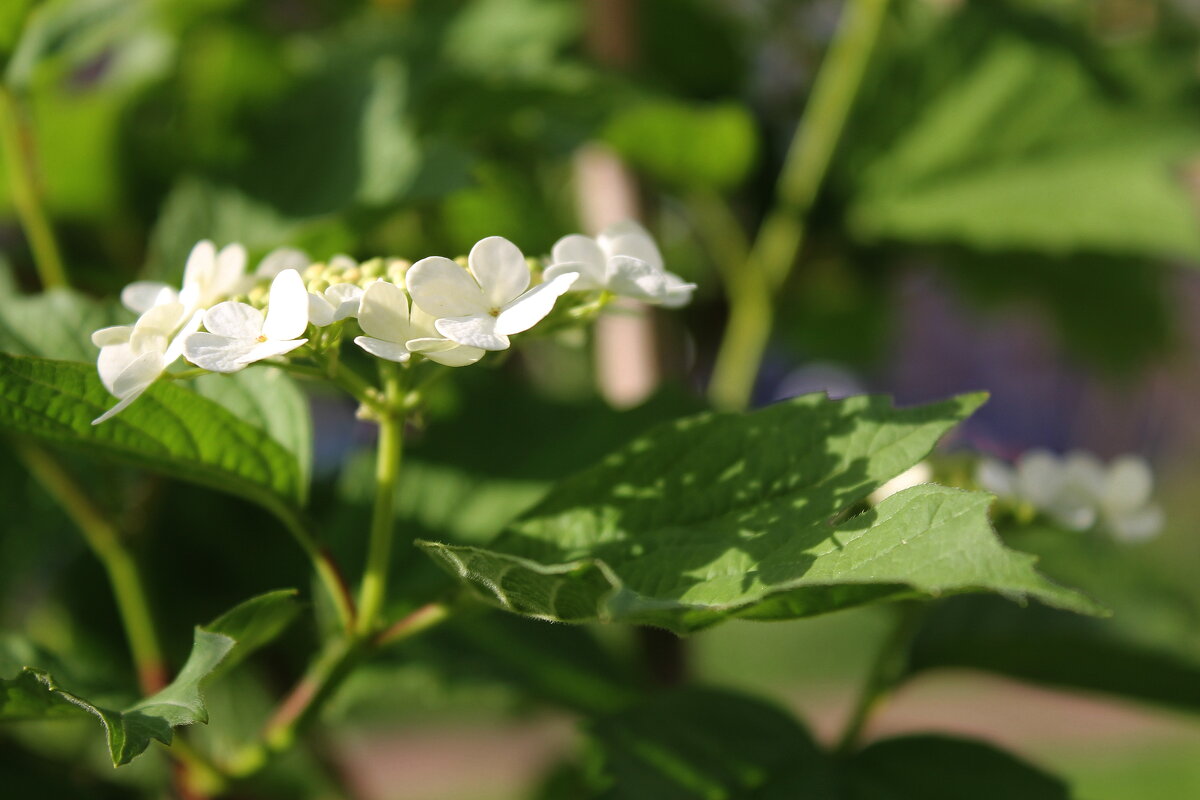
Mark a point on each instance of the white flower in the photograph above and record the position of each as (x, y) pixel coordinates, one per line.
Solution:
(133, 356)
(1078, 491)
(1125, 505)
(238, 334)
(208, 278)
(481, 306)
(336, 303)
(278, 260)
(624, 260)
(913, 476)
(395, 332)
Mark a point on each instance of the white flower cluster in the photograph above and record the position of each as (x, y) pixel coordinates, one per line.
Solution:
(1078, 491)
(435, 308)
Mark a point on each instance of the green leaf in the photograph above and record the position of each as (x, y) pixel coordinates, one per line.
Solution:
(675, 143)
(35, 694)
(705, 744)
(943, 768)
(1027, 147)
(1147, 651)
(710, 744)
(728, 514)
(169, 430)
(268, 399)
(57, 323)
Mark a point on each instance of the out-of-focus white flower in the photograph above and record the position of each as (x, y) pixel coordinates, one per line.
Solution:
(237, 335)
(278, 260)
(624, 260)
(396, 332)
(338, 302)
(132, 357)
(209, 277)
(913, 476)
(483, 305)
(1078, 492)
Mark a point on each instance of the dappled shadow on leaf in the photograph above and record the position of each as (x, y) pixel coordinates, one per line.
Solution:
(709, 514)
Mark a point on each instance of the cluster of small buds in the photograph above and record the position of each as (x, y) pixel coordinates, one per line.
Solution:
(1079, 492)
(448, 311)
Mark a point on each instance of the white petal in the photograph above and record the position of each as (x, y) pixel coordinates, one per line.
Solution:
(532, 307)
(1137, 526)
(583, 254)
(1040, 477)
(230, 269)
(444, 289)
(678, 293)
(632, 277)
(446, 352)
(217, 353)
(586, 282)
(345, 299)
(389, 351)
(287, 307)
(342, 262)
(154, 329)
(280, 259)
(630, 239)
(175, 349)
(201, 264)
(384, 312)
(320, 312)
(234, 321)
(270, 349)
(1086, 472)
(1128, 484)
(114, 334)
(996, 477)
(421, 325)
(500, 269)
(141, 296)
(477, 331)
(111, 362)
(140, 373)
(118, 408)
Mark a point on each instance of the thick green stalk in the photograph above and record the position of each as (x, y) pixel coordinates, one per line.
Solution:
(22, 180)
(751, 283)
(373, 590)
(102, 537)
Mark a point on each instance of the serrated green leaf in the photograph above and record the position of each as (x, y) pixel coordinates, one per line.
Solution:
(35, 694)
(169, 429)
(725, 514)
(1148, 651)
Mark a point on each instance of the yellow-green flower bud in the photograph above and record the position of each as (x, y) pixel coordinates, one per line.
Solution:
(318, 285)
(257, 296)
(397, 268)
(352, 275)
(461, 261)
(373, 268)
(313, 271)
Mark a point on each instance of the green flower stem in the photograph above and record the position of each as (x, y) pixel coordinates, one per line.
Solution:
(327, 571)
(752, 282)
(389, 450)
(18, 161)
(887, 672)
(306, 699)
(102, 537)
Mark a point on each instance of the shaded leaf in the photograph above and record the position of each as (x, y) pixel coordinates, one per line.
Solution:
(1029, 147)
(675, 142)
(57, 323)
(169, 430)
(35, 694)
(724, 514)
(1149, 650)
